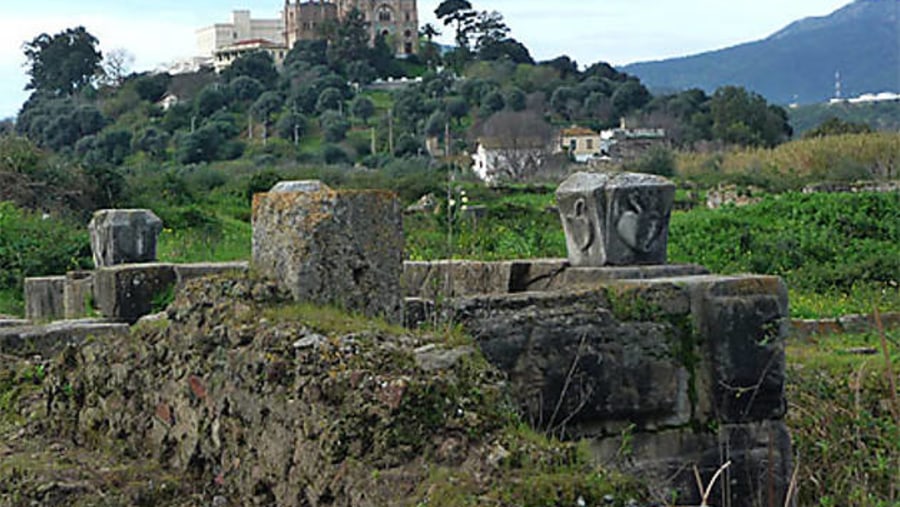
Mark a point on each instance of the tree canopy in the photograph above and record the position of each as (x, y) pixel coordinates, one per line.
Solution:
(63, 63)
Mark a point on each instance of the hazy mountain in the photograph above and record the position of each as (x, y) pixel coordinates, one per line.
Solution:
(798, 63)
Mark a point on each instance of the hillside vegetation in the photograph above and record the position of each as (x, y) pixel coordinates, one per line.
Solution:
(790, 166)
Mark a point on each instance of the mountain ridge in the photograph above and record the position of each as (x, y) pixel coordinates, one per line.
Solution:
(797, 63)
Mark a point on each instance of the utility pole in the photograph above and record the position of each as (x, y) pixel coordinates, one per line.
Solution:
(391, 131)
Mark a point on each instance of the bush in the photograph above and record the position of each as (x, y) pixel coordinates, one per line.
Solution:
(659, 161)
(333, 154)
(36, 245)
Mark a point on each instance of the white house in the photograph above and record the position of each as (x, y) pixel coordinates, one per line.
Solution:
(496, 160)
(242, 28)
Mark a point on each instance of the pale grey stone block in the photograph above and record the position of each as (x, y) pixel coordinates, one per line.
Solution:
(616, 218)
(124, 236)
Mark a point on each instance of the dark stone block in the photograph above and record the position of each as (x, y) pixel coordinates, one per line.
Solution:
(127, 293)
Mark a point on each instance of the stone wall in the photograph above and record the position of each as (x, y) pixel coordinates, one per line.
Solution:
(683, 370)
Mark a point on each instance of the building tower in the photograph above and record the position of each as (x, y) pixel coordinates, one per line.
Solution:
(303, 20)
(396, 20)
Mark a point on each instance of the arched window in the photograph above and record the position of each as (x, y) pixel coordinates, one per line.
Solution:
(408, 34)
(385, 14)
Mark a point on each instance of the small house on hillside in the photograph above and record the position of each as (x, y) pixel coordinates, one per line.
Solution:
(629, 144)
(581, 143)
(498, 159)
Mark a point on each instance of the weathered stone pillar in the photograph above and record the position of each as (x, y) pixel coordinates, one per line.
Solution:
(337, 247)
(616, 219)
(44, 298)
(122, 236)
(78, 294)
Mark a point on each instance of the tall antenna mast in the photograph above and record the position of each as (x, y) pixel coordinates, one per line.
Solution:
(838, 86)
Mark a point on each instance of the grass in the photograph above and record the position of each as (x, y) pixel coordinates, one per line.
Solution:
(11, 303)
(228, 240)
(845, 435)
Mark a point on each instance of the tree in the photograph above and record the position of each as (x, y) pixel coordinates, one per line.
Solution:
(522, 141)
(436, 125)
(490, 29)
(116, 66)
(834, 126)
(516, 100)
(492, 103)
(629, 96)
(64, 63)
(258, 65)
(245, 88)
(348, 41)
(460, 13)
(151, 141)
(264, 107)
(210, 100)
(506, 49)
(457, 108)
(152, 87)
(362, 108)
(310, 52)
(330, 99)
(334, 126)
(291, 125)
(745, 118)
(430, 52)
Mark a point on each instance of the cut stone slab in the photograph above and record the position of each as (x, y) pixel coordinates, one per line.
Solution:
(468, 278)
(50, 339)
(340, 248)
(11, 322)
(124, 236)
(616, 219)
(187, 272)
(127, 293)
(78, 294)
(44, 298)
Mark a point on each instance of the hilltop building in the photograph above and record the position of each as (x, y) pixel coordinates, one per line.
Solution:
(241, 28)
(396, 20)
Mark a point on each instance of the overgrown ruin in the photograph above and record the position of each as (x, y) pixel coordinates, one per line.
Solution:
(659, 368)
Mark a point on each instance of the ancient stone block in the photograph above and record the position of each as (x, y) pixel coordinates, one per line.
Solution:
(759, 474)
(78, 294)
(44, 298)
(577, 367)
(122, 236)
(616, 218)
(127, 293)
(745, 322)
(342, 248)
(50, 339)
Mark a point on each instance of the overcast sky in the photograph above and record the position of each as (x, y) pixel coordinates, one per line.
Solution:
(616, 31)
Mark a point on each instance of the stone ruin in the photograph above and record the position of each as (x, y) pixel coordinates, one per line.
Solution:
(661, 368)
(340, 248)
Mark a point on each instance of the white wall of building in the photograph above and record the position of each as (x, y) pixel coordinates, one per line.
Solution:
(242, 28)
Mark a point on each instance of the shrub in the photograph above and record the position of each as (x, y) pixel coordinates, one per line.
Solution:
(32, 244)
(333, 154)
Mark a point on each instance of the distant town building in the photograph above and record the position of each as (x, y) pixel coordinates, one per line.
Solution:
(242, 28)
